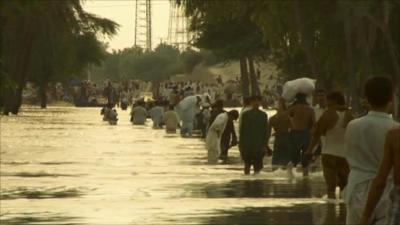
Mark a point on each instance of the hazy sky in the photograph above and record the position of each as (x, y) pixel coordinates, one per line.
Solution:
(123, 12)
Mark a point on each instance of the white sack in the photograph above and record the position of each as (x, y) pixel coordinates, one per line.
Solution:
(301, 85)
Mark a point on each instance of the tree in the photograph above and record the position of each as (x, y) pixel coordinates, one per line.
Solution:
(242, 39)
(155, 65)
(34, 35)
(339, 43)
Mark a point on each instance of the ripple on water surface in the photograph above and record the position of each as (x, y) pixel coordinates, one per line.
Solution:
(67, 166)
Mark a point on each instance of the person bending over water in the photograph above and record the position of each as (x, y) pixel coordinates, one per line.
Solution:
(215, 132)
(303, 119)
(228, 138)
(332, 125)
(391, 160)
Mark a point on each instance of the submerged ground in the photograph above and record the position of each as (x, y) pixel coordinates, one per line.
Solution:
(66, 166)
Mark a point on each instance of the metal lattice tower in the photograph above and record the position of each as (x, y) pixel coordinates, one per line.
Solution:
(143, 24)
(178, 34)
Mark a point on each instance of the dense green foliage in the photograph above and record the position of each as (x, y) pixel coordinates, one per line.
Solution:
(340, 43)
(45, 41)
(158, 64)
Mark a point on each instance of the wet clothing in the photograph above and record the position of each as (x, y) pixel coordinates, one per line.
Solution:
(318, 113)
(335, 167)
(300, 139)
(214, 113)
(355, 204)
(187, 128)
(110, 93)
(334, 138)
(206, 118)
(113, 117)
(171, 121)
(364, 147)
(253, 137)
(187, 110)
(228, 138)
(213, 139)
(336, 171)
(395, 214)
(156, 114)
(244, 109)
(282, 149)
(257, 164)
(138, 115)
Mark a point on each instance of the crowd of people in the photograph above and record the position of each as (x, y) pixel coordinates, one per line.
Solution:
(357, 154)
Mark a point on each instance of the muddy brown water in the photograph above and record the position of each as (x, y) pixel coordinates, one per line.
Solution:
(66, 166)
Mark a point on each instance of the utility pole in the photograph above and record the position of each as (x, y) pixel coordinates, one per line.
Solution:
(178, 34)
(143, 24)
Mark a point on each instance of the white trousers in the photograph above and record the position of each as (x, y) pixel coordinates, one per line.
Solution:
(358, 200)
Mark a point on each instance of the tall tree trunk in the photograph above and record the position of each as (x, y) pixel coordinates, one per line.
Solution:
(17, 63)
(382, 23)
(307, 39)
(244, 78)
(352, 77)
(255, 89)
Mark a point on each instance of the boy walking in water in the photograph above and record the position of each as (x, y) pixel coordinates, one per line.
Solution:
(332, 125)
(364, 146)
(391, 161)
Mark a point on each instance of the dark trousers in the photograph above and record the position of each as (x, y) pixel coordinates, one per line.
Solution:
(224, 151)
(336, 171)
(257, 164)
(300, 139)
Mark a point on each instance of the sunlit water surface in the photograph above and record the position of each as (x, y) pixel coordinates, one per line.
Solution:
(66, 166)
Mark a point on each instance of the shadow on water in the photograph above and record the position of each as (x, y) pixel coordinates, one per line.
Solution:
(16, 163)
(35, 193)
(38, 174)
(37, 219)
(259, 188)
(299, 215)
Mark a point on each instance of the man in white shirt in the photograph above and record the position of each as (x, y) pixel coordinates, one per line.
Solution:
(364, 151)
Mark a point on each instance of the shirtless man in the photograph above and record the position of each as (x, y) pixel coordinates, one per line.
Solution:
(281, 124)
(302, 117)
(391, 160)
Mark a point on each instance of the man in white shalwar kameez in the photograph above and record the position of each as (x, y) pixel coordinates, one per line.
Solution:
(213, 139)
(364, 140)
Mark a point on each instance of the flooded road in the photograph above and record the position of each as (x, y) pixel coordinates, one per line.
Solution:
(66, 166)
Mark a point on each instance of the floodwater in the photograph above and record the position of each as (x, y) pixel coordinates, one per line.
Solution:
(66, 166)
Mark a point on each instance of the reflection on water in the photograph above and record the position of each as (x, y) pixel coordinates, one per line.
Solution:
(66, 166)
(40, 193)
(296, 215)
(36, 218)
(258, 188)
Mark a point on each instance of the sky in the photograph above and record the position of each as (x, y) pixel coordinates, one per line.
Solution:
(123, 13)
